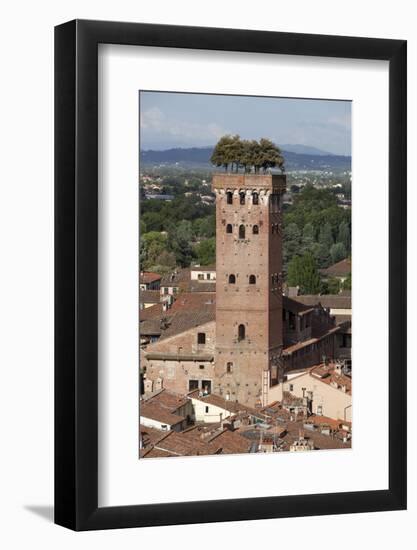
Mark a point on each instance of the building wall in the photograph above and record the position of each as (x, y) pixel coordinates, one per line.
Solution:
(176, 373)
(205, 412)
(311, 355)
(152, 423)
(334, 403)
(258, 307)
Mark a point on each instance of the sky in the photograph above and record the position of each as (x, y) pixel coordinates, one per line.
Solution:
(169, 119)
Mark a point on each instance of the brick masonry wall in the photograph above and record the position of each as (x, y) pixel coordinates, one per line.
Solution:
(256, 306)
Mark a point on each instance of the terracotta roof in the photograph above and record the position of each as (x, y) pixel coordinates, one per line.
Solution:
(167, 399)
(334, 301)
(203, 286)
(149, 296)
(190, 442)
(339, 269)
(151, 312)
(231, 442)
(176, 278)
(186, 320)
(319, 334)
(211, 267)
(155, 412)
(328, 375)
(295, 306)
(228, 405)
(191, 301)
(162, 407)
(146, 277)
(150, 327)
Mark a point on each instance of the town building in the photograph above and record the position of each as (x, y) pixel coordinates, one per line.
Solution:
(327, 387)
(149, 280)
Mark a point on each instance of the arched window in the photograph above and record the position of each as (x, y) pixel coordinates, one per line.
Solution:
(241, 231)
(255, 230)
(229, 367)
(242, 197)
(255, 198)
(252, 279)
(229, 228)
(232, 279)
(229, 196)
(241, 333)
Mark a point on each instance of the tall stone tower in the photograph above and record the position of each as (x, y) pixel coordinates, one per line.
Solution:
(249, 285)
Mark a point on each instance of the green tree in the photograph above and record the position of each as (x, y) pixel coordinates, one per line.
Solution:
(270, 155)
(302, 272)
(206, 251)
(308, 239)
(343, 235)
(347, 283)
(155, 243)
(338, 252)
(333, 285)
(325, 243)
(291, 242)
(179, 242)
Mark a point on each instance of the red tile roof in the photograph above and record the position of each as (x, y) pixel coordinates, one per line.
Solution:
(147, 277)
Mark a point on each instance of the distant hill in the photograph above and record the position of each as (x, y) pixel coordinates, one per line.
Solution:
(200, 157)
(304, 150)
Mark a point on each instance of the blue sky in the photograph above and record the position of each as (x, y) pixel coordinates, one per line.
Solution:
(196, 120)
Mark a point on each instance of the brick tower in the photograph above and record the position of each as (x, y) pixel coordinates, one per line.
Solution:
(248, 286)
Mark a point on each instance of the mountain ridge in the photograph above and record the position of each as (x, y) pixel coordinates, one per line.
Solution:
(201, 156)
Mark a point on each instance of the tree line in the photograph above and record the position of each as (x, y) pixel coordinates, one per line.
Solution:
(248, 155)
(317, 233)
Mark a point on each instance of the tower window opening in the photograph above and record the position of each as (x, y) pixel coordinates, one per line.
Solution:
(229, 367)
(255, 230)
(273, 228)
(241, 333)
(252, 279)
(232, 279)
(201, 338)
(255, 198)
(241, 231)
(242, 197)
(229, 196)
(229, 228)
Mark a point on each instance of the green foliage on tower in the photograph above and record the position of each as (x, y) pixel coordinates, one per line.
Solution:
(250, 156)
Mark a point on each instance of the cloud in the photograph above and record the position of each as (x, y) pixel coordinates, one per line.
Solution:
(156, 125)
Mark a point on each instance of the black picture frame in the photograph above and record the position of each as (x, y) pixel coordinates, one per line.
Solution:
(76, 271)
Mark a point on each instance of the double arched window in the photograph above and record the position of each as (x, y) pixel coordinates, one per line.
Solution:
(255, 229)
(252, 279)
(241, 333)
(242, 197)
(232, 279)
(229, 196)
(255, 198)
(229, 228)
(241, 231)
